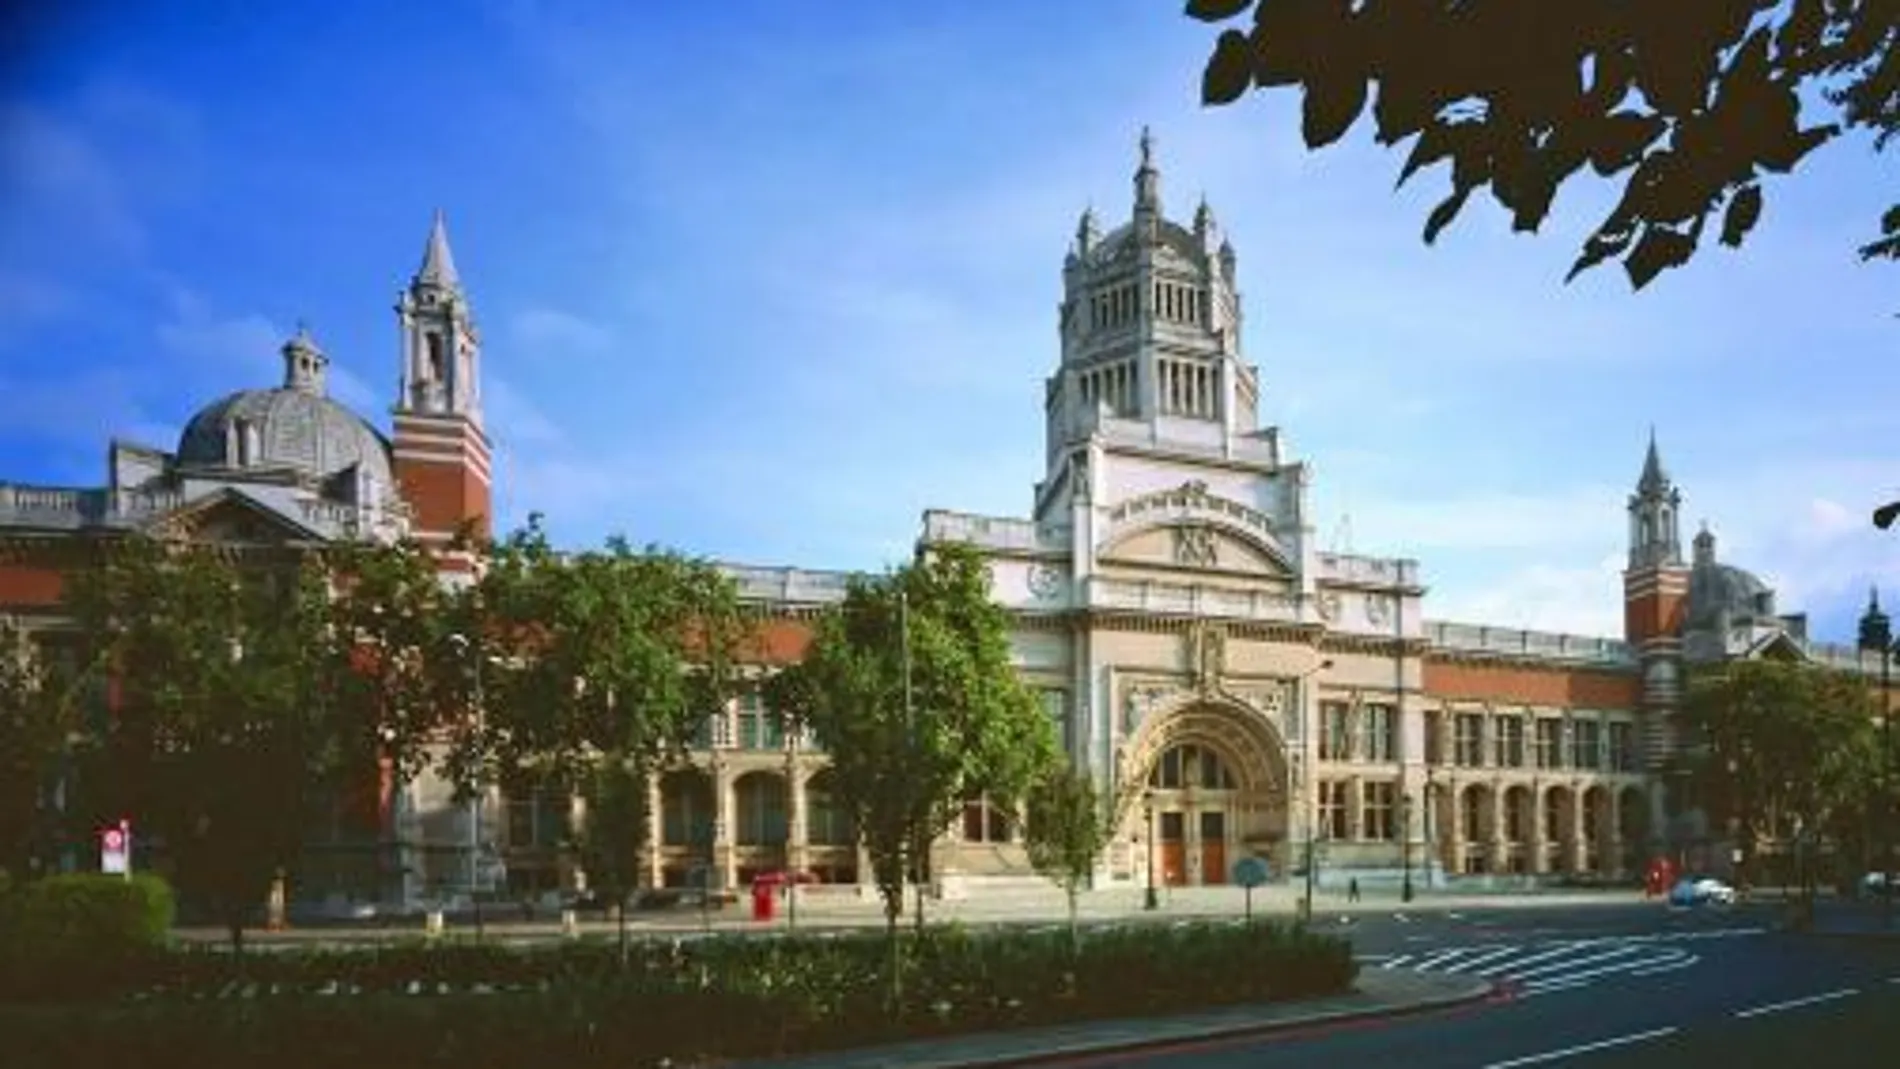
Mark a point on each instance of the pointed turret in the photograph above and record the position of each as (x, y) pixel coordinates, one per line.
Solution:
(438, 264)
(1653, 531)
(1654, 479)
(1147, 186)
(304, 363)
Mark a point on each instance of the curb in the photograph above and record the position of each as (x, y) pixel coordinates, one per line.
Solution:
(1491, 992)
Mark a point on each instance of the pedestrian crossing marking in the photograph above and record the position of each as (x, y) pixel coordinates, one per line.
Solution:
(1544, 968)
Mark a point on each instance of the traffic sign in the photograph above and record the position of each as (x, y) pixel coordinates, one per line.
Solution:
(115, 850)
(1251, 872)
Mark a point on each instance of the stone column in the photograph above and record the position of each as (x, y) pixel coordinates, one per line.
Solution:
(723, 860)
(651, 868)
(1613, 835)
(1539, 860)
(1452, 829)
(1575, 846)
(1500, 849)
(1356, 809)
(797, 830)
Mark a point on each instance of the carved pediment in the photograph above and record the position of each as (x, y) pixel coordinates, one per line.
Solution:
(1195, 545)
(228, 518)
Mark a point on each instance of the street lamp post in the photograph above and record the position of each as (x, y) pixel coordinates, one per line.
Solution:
(1150, 900)
(1876, 635)
(462, 643)
(1405, 884)
(1296, 793)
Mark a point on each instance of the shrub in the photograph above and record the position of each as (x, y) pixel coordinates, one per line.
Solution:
(77, 933)
(578, 1004)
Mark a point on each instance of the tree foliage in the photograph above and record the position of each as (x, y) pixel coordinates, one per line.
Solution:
(1069, 825)
(40, 697)
(597, 668)
(1776, 741)
(909, 688)
(1693, 102)
(220, 740)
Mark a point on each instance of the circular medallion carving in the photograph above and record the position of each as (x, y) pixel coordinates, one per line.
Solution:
(1045, 581)
(1328, 605)
(1378, 608)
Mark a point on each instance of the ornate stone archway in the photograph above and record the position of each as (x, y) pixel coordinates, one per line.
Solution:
(1193, 831)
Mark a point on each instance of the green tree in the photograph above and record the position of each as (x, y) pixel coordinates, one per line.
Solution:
(909, 688)
(1775, 741)
(218, 744)
(1069, 825)
(40, 696)
(610, 659)
(1694, 102)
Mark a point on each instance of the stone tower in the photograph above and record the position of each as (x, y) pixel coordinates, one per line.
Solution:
(440, 449)
(1150, 330)
(1655, 594)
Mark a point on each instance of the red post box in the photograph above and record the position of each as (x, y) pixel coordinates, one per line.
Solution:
(764, 899)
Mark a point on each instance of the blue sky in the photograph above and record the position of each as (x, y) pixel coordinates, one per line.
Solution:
(764, 281)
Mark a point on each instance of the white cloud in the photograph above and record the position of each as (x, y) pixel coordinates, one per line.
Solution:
(542, 333)
(246, 351)
(1541, 597)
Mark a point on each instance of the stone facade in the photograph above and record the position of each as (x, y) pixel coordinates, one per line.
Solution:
(1235, 689)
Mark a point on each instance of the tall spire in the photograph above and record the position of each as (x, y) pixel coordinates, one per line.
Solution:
(438, 264)
(1147, 179)
(1654, 478)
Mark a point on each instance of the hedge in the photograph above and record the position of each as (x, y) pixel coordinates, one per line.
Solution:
(672, 1002)
(78, 933)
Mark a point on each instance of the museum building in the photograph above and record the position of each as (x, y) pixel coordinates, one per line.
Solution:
(1236, 690)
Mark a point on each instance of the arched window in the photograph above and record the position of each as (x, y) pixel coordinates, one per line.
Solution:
(1191, 765)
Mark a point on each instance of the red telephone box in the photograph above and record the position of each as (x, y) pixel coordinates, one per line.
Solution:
(764, 898)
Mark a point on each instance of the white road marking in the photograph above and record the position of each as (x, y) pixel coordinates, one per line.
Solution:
(1545, 987)
(1557, 951)
(1655, 970)
(1584, 1048)
(1574, 962)
(1776, 1007)
(1605, 970)
(1440, 958)
(1489, 955)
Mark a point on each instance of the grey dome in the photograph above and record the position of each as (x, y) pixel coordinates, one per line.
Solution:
(295, 428)
(1716, 589)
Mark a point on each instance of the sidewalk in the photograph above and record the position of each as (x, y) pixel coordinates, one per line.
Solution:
(1379, 993)
(839, 913)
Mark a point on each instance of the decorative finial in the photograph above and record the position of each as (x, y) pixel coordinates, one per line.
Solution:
(1147, 147)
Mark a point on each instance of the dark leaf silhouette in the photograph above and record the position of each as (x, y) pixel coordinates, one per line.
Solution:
(1659, 249)
(1686, 104)
(1744, 210)
(1215, 10)
(1230, 71)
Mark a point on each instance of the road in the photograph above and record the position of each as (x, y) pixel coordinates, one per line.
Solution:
(1587, 988)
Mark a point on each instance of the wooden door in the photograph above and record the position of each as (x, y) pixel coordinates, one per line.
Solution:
(1213, 848)
(1173, 850)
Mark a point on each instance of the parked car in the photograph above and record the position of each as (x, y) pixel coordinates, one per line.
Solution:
(1701, 891)
(1880, 883)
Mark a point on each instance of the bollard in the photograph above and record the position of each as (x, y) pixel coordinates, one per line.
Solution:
(570, 924)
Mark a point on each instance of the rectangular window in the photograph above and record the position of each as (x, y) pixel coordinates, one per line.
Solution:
(1509, 749)
(1586, 744)
(1378, 740)
(1335, 743)
(1434, 742)
(1470, 740)
(1550, 743)
(1379, 813)
(758, 729)
(1622, 747)
(1332, 809)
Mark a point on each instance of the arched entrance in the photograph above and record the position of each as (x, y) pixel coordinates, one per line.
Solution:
(1212, 790)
